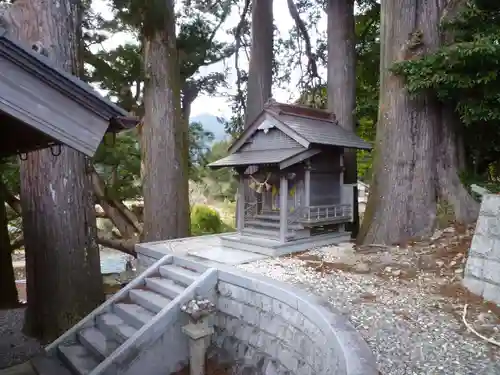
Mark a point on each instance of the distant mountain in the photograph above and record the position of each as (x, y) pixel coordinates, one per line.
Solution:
(211, 123)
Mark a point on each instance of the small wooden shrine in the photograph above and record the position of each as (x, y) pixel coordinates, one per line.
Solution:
(42, 106)
(290, 168)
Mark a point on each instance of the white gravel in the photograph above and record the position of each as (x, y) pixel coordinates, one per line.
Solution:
(409, 329)
(15, 347)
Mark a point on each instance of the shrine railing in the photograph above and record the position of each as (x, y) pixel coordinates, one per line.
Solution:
(326, 213)
(251, 209)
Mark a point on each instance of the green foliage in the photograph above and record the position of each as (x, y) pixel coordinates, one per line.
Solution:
(199, 140)
(9, 172)
(205, 220)
(464, 74)
(220, 183)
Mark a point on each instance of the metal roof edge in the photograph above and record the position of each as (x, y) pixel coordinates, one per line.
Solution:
(69, 85)
(247, 132)
(299, 138)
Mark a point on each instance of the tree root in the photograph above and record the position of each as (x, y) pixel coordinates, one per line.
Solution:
(470, 328)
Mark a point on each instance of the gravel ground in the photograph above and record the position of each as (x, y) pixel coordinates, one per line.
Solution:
(406, 302)
(15, 348)
(403, 308)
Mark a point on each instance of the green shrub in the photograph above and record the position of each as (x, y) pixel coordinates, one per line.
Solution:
(205, 220)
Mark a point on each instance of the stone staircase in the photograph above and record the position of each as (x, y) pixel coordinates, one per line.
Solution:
(268, 226)
(111, 336)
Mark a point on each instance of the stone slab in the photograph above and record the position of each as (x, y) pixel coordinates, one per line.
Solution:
(226, 255)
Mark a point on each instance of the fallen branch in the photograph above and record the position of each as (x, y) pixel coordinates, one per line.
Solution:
(17, 243)
(12, 201)
(125, 246)
(470, 328)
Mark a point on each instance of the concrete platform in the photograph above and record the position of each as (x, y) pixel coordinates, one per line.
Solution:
(275, 248)
(207, 248)
(232, 248)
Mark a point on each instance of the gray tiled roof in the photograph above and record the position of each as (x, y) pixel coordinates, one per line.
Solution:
(256, 157)
(323, 132)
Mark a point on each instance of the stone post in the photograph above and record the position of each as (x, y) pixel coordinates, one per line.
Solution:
(199, 332)
(198, 345)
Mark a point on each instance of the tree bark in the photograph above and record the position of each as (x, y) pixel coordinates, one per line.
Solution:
(403, 195)
(451, 189)
(260, 71)
(8, 297)
(62, 257)
(341, 86)
(164, 138)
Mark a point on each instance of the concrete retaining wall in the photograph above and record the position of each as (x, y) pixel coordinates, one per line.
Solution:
(272, 329)
(265, 327)
(482, 271)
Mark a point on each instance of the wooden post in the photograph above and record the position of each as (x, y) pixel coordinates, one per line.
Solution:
(307, 186)
(341, 176)
(240, 209)
(283, 207)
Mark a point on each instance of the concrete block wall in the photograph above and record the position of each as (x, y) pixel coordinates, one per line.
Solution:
(482, 271)
(269, 328)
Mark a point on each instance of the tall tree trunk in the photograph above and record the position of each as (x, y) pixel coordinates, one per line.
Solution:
(341, 87)
(8, 297)
(260, 72)
(62, 257)
(403, 195)
(164, 136)
(451, 148)
(451, 189)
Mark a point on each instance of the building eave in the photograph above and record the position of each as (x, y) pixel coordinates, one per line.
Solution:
(67, 84)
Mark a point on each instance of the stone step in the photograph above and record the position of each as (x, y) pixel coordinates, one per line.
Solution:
(78, 358)
(45, 365)
(250, 243)
(114, 326)
(165, 287)
(271, 224)
(133, 314)
(269, 217)
(266, 233)
(182, 275)
(149, 300)
(189, 265)
(97, 342)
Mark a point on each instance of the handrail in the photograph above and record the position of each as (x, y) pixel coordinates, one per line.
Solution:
(326, 212)
(250, 206)
(138, 281)
(293, 217)
(152, 330)
(331, 205)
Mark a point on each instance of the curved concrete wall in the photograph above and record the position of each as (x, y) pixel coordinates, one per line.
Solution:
(270, 328)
